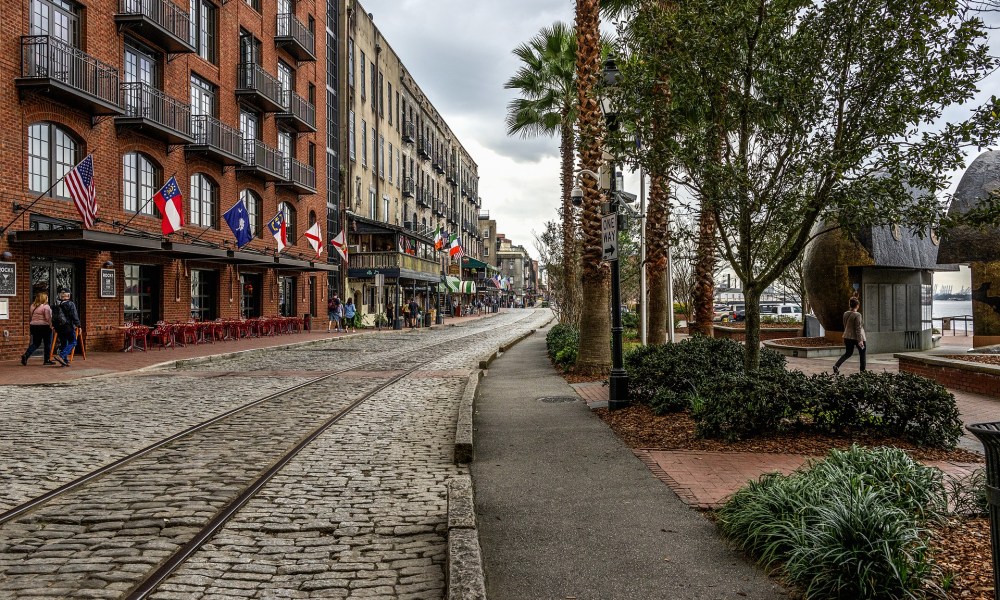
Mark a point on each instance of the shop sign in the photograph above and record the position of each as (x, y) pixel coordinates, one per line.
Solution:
(8, 279)
(108, 283)
(453, 270)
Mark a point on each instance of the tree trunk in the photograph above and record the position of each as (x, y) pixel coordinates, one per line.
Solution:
(751, 299)
(704, 287)
(595, 326)
(657, 242)
(571, 301)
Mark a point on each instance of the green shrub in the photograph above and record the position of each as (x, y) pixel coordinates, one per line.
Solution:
(742, 405)
(684, 367)
(563, 344)
(779, 320)
(848, 526)
(967, 494)
(630, 320)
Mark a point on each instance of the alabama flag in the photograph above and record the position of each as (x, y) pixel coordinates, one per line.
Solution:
(315, 238)
(168, 201)
(339, 244)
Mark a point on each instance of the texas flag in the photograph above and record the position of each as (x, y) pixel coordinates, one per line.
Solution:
(315, 238)
(168, 201)
(278, 229)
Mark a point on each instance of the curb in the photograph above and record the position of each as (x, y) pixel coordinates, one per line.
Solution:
(464, 451)
(466, 576)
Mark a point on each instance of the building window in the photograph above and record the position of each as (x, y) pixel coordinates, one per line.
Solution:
(204, 287)
(56, 18)
(289, 213)
(350, 62)
(203, 96)
(204, 201)
(364, 143)
(351, 140)
(140, 180)
(204, 29)
(389, 94)
(253, 203)
(372, 205)
(374, 76)
(52, 152)
(361, 75)
(391, 164)
(254, 4)
(374, 149)
(381, 96)
(381, 155)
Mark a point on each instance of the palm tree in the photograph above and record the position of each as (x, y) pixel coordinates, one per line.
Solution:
(595, 327)
(547, 83)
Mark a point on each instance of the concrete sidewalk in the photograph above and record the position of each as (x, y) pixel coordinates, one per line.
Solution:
(565, 510)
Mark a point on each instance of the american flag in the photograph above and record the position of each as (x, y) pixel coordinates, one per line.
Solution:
(80, 182)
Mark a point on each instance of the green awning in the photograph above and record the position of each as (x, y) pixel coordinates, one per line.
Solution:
(473, 263)
(456, 286)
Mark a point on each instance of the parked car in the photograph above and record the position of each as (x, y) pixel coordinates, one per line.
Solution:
(738, 312)
(721, 314)
(792, 312)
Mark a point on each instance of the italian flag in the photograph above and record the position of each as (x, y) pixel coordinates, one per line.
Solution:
(454, 248)
(438, 240)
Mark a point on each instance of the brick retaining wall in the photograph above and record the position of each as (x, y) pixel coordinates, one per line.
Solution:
(954, 374)
(739, 333)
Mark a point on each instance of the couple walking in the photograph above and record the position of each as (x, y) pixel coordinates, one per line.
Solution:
(340, 314)
(64, 319)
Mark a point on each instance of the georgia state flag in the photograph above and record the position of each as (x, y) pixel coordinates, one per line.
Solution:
(168, 202)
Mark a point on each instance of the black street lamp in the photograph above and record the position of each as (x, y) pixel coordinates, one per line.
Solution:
(618, 395)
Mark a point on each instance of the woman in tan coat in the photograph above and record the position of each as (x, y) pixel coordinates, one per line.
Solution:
(854, 335)
(40, 325)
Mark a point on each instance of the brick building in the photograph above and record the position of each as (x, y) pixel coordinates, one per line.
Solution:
(222, 96)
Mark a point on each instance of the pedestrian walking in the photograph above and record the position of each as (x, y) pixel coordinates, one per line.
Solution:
(65, 321)
(349, 312)
(414, 308)
(40, 328)
(854, 335)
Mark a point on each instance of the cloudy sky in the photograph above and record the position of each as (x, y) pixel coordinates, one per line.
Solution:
(459, 51)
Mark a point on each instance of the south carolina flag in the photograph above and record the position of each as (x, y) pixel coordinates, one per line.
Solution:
(315, 238)
(278, 229)
(168, 201)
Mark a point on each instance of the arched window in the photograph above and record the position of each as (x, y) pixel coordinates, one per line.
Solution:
(289, 213)
(253, 203)
(140, 180)
(204, 201)
(52, 152)
(312, 218)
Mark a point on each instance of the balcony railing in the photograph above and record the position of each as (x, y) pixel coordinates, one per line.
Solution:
(393, 260)
(295, 38)
(261, 88)
(409, 129)
(299, 177)
(216, 139)
(160, 21)
(424, 149)
(264, 161)
(408, 187)
(301, 114)
(155, 113)
(69, 75)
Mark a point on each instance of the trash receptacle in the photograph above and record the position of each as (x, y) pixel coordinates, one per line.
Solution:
(989, 435)
(428, 318)
(307, 322)
(945, 323)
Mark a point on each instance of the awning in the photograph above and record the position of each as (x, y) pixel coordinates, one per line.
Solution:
(101, 240)
(457, 286)
(472, 263)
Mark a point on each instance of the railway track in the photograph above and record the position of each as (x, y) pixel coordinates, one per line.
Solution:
(156, 507)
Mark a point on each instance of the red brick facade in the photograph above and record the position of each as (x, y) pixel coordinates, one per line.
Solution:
(955, 374)
(108, 141)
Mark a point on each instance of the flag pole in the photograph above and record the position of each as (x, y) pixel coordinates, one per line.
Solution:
(42, 195)
(145, 204)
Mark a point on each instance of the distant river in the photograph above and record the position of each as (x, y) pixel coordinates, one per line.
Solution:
(952, 308)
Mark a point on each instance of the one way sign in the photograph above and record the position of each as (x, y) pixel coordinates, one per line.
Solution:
(609, 236)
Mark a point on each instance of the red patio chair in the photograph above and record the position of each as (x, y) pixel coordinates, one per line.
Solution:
(162, 333)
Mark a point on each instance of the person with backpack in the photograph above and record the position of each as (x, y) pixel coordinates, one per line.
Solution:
(40, 327)
(332, 313)
(349, 312)
(65, 320)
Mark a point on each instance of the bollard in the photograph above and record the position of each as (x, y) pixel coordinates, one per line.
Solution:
(989, 435)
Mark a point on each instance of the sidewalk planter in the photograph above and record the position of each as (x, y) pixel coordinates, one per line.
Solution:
(802, 351)
(962, 375)
(766, 333)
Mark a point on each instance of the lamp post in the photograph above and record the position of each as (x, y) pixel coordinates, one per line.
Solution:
(618, 396)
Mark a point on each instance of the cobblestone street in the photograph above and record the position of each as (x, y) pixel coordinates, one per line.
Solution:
(360, 512)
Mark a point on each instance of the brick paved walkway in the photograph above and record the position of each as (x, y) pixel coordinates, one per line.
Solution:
(704, 479)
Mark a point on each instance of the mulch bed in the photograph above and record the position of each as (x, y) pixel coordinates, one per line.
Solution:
(987, 359)
(807, 342)
(960, 547)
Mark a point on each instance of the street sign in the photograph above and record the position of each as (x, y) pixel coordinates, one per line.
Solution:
(609, 236)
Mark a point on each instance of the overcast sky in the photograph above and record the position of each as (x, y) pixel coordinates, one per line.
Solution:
(459, 52)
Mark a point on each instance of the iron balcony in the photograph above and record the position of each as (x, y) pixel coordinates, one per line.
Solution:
(409, 127)
(295, 38)
(424, 149)
(216, 140)
(161, 22)
(263, 161)
(299, 177)
(68, 75)
(155, 114)
(301, 115)
(260, 88)
(408, 187)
